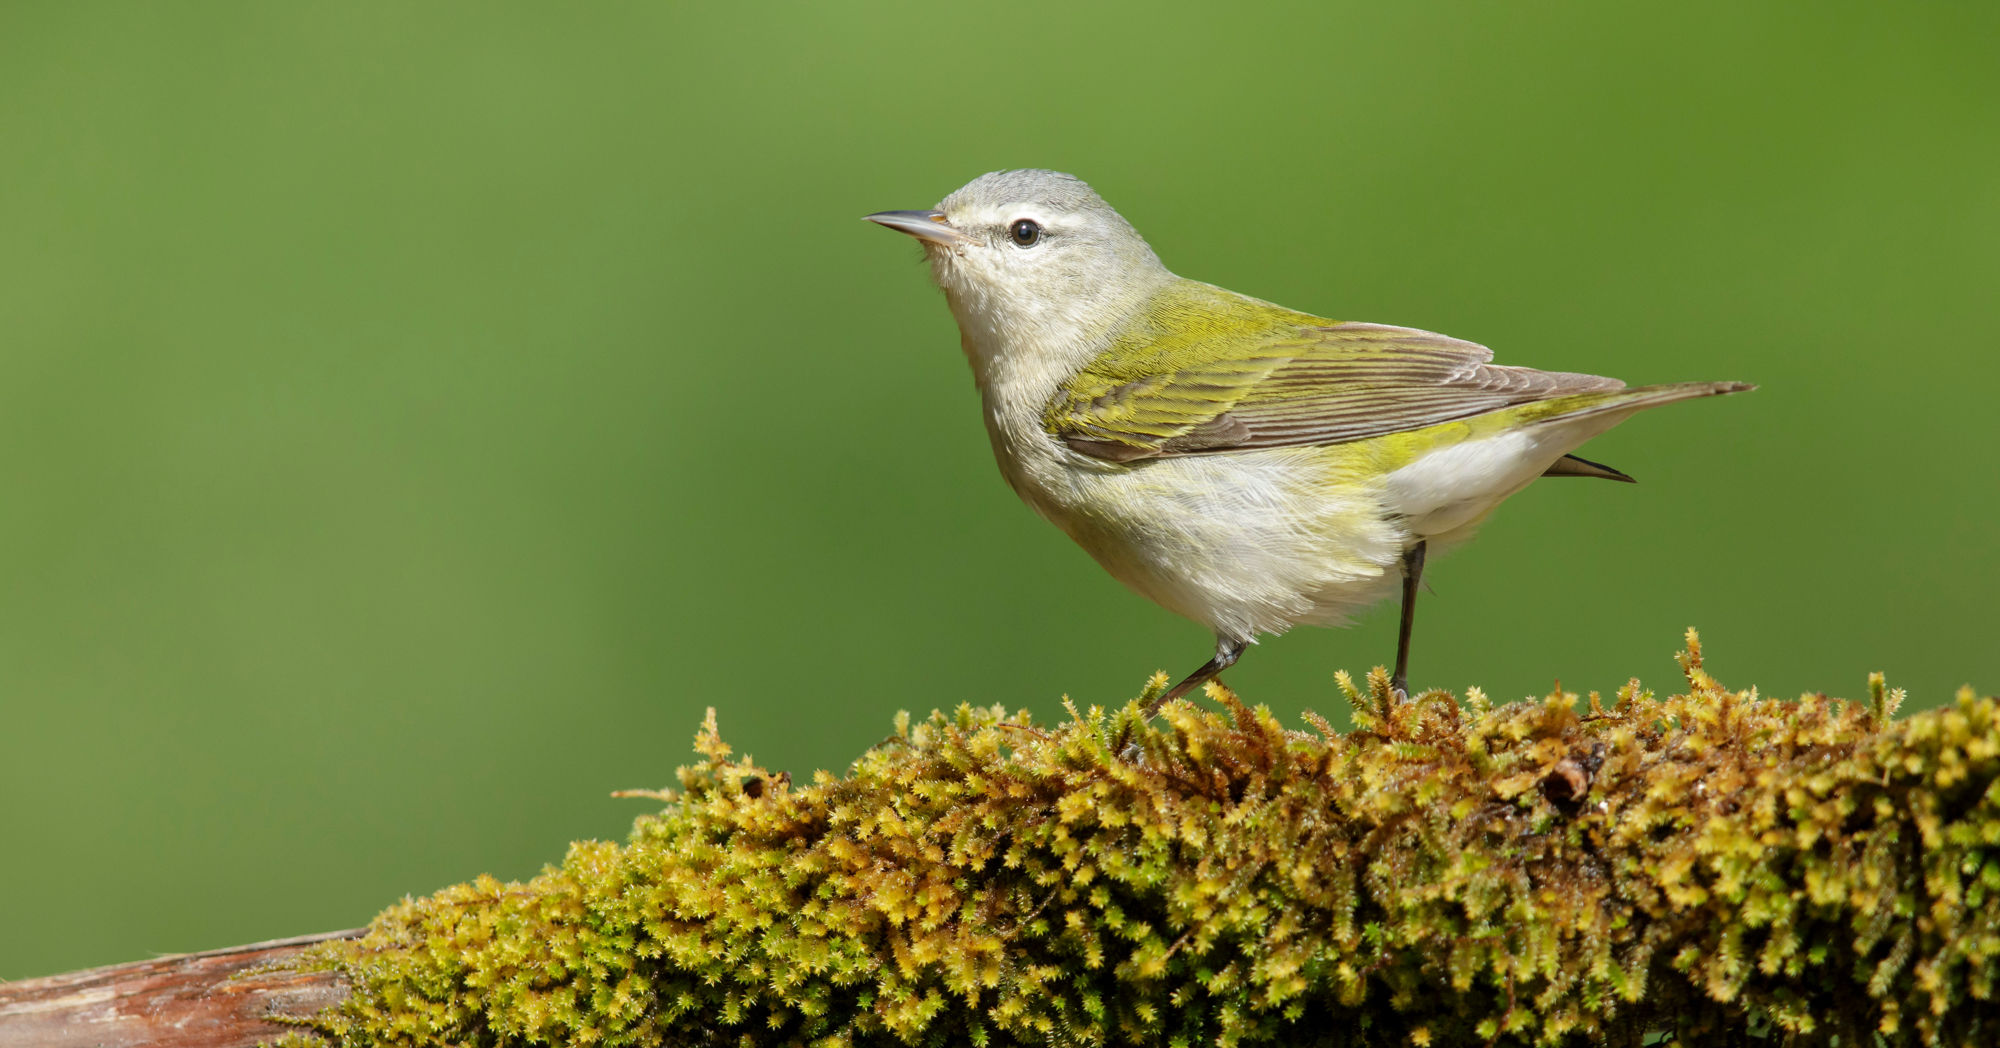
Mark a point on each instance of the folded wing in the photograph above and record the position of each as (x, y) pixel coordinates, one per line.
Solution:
(1288, 385)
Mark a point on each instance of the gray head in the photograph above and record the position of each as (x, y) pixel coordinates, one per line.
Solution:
(1032, 248)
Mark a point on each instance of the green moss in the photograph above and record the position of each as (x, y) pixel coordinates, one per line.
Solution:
(1713, 865)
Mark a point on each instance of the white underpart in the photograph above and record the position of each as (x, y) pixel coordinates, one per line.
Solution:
(1457, 485)
(1246, 543)
(1254, 543)
(1443, 496)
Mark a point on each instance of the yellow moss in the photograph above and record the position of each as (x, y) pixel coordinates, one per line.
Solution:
(1714, 866)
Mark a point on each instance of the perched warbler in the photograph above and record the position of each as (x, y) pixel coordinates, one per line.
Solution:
(1248, 466)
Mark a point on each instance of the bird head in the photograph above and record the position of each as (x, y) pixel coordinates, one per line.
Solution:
(1032, 254)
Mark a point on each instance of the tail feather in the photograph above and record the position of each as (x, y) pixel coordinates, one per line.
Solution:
(1620, 404)
(1639, 397)
(1575, 466)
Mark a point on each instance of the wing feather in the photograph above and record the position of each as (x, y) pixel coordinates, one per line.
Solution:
(1283, 379)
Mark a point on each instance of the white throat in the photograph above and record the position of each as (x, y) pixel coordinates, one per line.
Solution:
(1015, 332)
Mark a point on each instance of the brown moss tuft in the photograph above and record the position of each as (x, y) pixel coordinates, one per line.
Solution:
(1713, 865)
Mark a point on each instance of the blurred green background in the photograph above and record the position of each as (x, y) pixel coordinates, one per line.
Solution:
(413, 416)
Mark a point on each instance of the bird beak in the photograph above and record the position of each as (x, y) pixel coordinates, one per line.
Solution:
(924, 225)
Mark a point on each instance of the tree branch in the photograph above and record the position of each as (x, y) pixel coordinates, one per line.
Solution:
(215, 999)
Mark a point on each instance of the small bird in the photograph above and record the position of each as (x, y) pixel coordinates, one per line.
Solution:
(1248, 466)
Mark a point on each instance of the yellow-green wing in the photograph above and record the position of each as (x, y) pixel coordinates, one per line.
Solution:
(1205, 371)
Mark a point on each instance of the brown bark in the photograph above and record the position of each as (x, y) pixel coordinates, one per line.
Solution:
(194, 1000)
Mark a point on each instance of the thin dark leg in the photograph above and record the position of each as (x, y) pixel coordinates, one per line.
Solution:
(1413, 573)
(1226, 654)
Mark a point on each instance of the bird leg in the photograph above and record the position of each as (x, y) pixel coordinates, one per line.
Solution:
(1413, 573)
(1226, 654)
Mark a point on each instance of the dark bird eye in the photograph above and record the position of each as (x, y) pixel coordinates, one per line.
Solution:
(1025, 232)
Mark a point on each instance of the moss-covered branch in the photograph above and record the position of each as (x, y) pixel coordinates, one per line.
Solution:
(1714, 865)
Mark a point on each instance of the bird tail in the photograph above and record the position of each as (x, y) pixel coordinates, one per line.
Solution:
(1576, 466)
(1638, 398)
